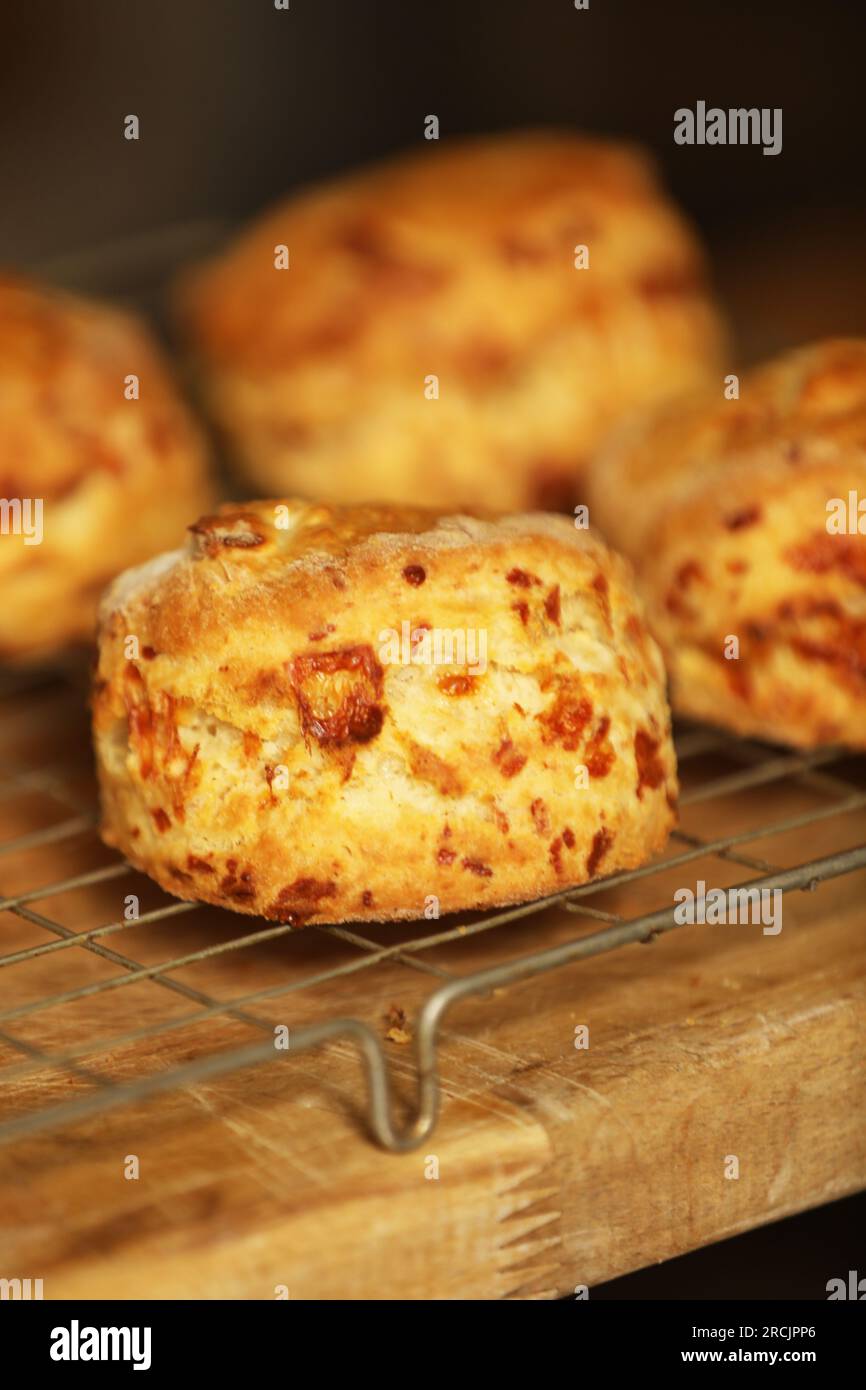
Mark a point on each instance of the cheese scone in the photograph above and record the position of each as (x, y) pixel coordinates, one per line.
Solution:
(455, 328)
(100, 462)
(746, 522)
(324, 714)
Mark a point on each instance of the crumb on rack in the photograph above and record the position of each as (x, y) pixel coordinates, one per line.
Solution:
(397, 1032)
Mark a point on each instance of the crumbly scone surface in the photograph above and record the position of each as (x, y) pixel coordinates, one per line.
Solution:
(265, 749)
(722, 505)
(117, 478)
(455, 263)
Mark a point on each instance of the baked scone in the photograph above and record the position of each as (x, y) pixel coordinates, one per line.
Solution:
(299, 733)
(432, 342)
(90, 481)
(741, 518)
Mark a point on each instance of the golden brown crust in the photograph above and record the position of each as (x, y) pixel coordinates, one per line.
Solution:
(723, 507)
(117, 478)
(456, 262)
(264, 744)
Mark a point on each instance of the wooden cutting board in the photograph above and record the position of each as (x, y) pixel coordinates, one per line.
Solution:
(557, 1167)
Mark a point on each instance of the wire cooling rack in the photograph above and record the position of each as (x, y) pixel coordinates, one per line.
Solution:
(715, 767)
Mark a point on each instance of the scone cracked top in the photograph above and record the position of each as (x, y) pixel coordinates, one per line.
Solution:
(746, 522)
(456, 327)
(101, 464)
(323, 714)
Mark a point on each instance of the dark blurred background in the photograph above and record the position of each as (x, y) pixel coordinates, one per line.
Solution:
(239, 101)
